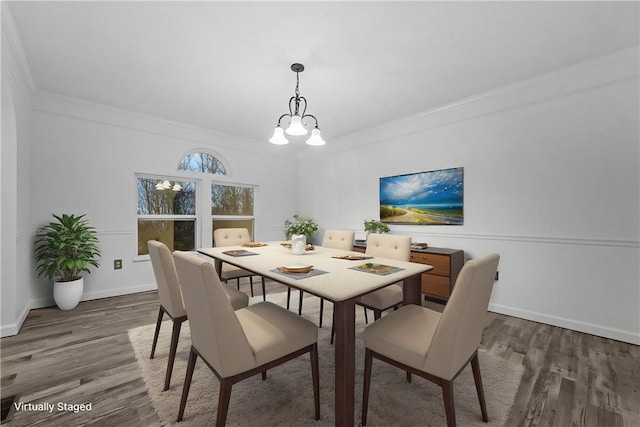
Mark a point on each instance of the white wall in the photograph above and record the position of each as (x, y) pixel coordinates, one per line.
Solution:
(84, 161)
(551, 183)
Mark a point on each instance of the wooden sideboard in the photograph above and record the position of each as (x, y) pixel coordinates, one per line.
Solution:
(437, 283)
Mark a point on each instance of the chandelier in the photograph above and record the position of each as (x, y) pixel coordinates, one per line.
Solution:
(296, 124)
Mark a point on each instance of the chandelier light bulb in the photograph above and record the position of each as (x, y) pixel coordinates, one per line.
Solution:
(278, 137)
(295, 127)
(315, 138)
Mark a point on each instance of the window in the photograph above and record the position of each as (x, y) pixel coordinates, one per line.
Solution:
(231, 207)
(167, 213)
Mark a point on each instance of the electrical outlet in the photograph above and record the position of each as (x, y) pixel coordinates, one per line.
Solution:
(117, 264)
(496, 279)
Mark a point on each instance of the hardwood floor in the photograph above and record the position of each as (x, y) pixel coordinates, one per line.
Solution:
(570, 379)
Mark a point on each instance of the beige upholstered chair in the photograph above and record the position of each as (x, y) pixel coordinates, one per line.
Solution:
(235, 237)
(386, 246)
(436, 346)
(238, 344)
(171, 299)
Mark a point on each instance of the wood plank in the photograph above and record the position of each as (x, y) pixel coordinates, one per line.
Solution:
(564, 412)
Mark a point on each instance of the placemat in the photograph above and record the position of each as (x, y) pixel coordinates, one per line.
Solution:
(353, 257)
(255, 244)
(379, 269)
(239, 252)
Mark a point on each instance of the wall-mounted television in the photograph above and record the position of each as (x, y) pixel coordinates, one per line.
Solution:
(426, 198)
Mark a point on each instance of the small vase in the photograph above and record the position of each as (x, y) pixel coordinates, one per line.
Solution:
(298, 243)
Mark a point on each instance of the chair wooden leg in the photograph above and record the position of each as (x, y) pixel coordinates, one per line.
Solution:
(300, 305)
(251, 284)
(377, 314)
(449, 408)
(264, 375)
(238, 283)
(321, 310)
(175, 335)
(288, 297)
(264, 292)
(367, 385)
(408, 377)
(191, 364)
(366, 316)
(223, 401)
(155, 336)
(475, 366)
(315, 375)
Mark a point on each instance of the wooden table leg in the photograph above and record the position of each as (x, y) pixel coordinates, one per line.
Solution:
(218, 265)
(345, 319)
(412, 291)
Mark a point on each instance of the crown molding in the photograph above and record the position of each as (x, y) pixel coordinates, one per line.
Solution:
(90, 111)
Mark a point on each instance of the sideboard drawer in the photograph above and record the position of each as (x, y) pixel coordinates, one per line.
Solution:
(440, 263)
(439, 286)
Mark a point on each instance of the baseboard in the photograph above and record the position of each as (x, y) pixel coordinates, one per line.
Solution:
(119, 291)
(89, 296)
(588, 328)
(14, 328)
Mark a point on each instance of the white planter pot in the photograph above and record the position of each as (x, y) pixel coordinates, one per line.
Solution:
(67, 294)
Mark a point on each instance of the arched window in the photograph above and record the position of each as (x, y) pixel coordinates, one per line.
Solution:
(202, 162)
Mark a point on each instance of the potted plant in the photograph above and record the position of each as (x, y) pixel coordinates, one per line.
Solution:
(66, 248)
(375, 226)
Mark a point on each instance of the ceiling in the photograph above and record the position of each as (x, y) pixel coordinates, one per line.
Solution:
(226, 65)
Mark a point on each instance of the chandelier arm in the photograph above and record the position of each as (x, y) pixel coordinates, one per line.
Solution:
(302, 98)
(313, 117)
(282, 117)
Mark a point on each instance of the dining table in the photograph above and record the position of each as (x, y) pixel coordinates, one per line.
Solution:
(338, 276)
